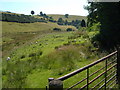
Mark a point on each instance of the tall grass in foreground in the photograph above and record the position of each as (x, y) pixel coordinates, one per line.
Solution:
(61, 61)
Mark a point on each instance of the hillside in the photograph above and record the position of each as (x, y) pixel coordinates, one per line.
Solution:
(33, 18)
(20, 33)
(70, 17)
(37, 52)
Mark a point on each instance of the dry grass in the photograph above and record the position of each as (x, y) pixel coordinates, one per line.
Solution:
(70, 17)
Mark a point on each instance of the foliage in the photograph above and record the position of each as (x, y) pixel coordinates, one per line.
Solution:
(32, 12)
(41, 13)
(69, 29)
(51, 19)
(66, 15)
(107, 14)
(56, 29)
(60, 21)
(94, 27)
(76, 23)
(20, 18)
(83, 24)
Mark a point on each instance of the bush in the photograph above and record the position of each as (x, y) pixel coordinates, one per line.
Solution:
(69, 29)
(32, 54)
(61, 60)
(56, 29)
(23, 56)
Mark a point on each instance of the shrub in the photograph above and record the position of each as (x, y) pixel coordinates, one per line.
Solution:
(61, 60)
(32, 54)
(56, 29)
(56, 47)
(69, 29)
(40, 53)
(23, 56)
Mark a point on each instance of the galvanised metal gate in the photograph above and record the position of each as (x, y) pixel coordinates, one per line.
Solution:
(108, 75)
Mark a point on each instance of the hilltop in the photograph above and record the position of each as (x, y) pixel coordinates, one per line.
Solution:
(70, 17)
(54, 16)
(70, 20)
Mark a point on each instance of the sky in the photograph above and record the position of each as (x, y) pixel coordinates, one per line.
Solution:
(71, 7)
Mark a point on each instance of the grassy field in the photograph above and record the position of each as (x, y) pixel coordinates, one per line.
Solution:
(37, 53)
(17, 34)
(70, 17)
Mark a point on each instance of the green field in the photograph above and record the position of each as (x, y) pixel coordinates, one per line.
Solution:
(37, 53)
(17, 34)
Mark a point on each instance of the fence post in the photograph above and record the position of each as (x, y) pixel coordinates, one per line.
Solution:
(55, 84)
(118, 66)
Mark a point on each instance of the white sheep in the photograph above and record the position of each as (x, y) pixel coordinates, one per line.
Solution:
(36, 42)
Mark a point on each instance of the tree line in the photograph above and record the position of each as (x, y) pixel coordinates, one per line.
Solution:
(60, 21)
(76, 23)
(20, 18)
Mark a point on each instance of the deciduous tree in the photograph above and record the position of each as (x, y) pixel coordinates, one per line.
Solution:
(32, 12)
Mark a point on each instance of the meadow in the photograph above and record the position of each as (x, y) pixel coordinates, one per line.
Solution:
(37, 53)
(16, 34)
(70, 17)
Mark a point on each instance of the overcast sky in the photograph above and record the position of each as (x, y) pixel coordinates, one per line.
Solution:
(72, 7)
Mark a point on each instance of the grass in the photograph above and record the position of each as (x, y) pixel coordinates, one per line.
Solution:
(37, 53)
(52, 62)
(17, 34)
(20, 44)
(70, 17)
(12, 27)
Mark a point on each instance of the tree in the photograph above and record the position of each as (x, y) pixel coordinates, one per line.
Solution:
(45, 16)
(60, 21)
(56, 29)
(107, 14)
(51, 19)
(41, 13)
(83, 24)
(32, 12)
(66, 15)
(69, 29)
(66, 22)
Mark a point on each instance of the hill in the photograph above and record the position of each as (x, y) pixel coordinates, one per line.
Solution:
(37, 52)
(72, 20)
(20, 33)
(20, 18)
(70, 17)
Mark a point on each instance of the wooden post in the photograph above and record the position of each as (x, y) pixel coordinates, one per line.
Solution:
(55, 84)
(118, 66)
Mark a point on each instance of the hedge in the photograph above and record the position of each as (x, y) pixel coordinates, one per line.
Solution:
(20, 18)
